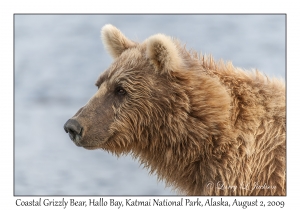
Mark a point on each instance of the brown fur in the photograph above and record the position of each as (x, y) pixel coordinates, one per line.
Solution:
(203, 127)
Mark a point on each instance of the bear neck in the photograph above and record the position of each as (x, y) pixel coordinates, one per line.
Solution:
(191, 151)
(189, 166)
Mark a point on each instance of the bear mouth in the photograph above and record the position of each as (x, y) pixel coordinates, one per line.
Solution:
(77, 141)
(90, 147)
(89, 144)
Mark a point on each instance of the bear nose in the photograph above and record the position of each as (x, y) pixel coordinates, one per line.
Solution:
(73, 128)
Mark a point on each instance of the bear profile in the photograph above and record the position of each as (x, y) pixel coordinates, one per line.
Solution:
(205, 127)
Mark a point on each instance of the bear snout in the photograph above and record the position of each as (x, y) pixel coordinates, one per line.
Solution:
(74, 129)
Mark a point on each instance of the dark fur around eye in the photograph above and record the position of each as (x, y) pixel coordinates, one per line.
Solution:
(120, 91)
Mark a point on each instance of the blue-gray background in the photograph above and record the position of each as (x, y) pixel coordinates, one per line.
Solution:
(57, 61)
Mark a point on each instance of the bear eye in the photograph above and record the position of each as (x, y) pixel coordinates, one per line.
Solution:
(120, 91)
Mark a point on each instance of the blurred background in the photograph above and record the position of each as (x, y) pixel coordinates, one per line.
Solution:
(57, 61)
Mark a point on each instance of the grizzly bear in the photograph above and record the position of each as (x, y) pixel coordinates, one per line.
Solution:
(205, 127)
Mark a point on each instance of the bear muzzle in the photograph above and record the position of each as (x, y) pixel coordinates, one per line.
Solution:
(75, 131)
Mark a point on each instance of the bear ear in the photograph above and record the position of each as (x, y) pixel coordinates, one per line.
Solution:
(114, 41)
(163, 53)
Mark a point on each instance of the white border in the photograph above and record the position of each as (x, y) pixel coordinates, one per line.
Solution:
(8, 8)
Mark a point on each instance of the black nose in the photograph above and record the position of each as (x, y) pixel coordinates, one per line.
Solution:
(73, 128)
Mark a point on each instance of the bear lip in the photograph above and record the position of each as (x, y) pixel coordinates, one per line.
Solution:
(98, 145)
(90, 147)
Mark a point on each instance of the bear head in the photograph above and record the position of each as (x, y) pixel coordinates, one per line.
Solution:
(146, 98)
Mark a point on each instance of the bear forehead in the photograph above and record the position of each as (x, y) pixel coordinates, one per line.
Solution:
(130, 56)
(130, 60)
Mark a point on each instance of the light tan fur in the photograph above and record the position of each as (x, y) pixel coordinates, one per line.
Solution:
(163, 53)
(115, 41)
(205, 127)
